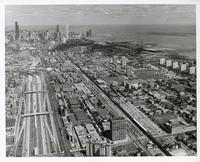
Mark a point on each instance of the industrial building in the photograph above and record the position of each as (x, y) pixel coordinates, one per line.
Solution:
(177, 125)
(74, 103)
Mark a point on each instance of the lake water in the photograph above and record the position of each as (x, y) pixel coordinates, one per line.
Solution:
(179, 37)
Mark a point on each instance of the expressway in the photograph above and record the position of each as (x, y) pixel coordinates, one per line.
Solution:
(35, 132)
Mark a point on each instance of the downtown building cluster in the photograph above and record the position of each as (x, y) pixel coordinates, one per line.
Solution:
(60, 35)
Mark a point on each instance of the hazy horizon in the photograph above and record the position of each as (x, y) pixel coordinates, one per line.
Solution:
(98, 24)
(168, 14)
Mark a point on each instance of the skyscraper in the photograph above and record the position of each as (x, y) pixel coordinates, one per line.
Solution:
(102, 150)
(169, 63)
(98, 148)
(16, 30)
(183, 67)
(118, 129)
(67, 31)
(89, 148)
(128, 71)
(123, 61)
(57, 28)
(89, 33)
(192, 70)
(118, 68)
(162, 61)
(175, 65)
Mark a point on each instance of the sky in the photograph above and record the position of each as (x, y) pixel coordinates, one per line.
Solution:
(99, 14)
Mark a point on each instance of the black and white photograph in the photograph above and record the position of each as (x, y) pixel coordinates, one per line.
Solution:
(100, 80)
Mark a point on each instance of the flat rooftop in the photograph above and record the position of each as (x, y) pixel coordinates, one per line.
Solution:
(74, 101)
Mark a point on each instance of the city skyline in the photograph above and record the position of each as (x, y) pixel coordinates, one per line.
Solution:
(99, 14)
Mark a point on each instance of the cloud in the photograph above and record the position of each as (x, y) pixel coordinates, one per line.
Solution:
(87, 14)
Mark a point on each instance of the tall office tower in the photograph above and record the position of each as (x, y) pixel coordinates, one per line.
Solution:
(16, 30)
(192, 70)
(118, 129)
(89, 148)
(108, 149)
(57, 28)
(162, 61)
(183, 67)
(168, 63)
(118, 68)
(98, 148)
(89, 33)
(128, 71)
(67, 31)
(102, 150)
(175, 65)
(123, 61)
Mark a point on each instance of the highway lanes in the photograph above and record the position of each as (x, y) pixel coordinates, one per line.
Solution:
(36, 134)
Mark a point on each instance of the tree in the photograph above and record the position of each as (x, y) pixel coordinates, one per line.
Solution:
(127, 86)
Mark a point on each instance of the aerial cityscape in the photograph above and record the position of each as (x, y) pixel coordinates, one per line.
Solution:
(102, 82)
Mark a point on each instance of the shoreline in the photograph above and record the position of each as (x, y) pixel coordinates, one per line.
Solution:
(179, 52)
